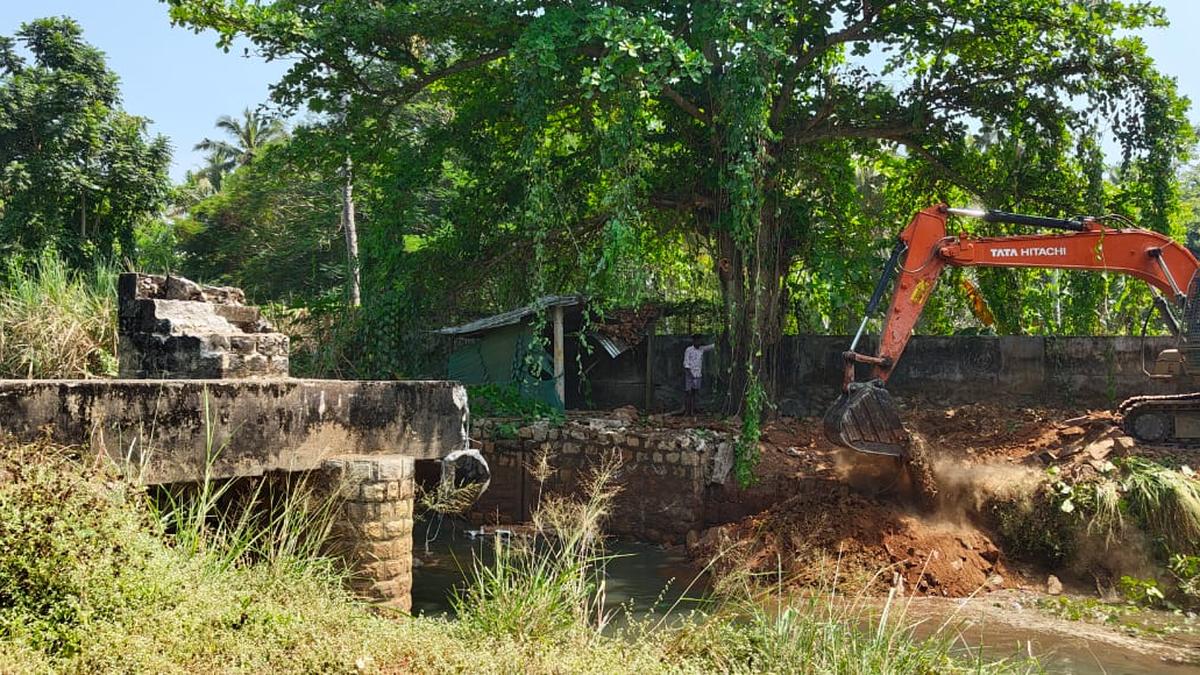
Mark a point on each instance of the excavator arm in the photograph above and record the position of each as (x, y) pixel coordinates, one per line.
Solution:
(865, 418)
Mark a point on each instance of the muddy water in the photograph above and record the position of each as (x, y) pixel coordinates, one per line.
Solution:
(651, 580)
(643, 578)
(1006, 625)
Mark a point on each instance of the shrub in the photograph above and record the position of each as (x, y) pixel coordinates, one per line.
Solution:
(496, 400)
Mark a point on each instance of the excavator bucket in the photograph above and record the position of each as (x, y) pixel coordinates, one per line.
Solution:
(865, 418)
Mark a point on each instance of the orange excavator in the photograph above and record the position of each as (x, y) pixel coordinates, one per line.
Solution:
(865, 417)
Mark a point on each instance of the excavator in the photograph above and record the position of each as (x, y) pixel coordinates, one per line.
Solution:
(865, 417)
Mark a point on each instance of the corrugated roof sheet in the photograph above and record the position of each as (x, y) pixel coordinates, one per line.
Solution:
(512, 316)
(614, 346)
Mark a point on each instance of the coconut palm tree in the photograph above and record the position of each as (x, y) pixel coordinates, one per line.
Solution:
(247, 137)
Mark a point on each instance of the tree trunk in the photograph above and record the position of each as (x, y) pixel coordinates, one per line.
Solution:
(350, 228)
(752, 292)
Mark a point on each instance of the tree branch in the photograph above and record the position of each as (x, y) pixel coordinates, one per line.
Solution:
(685, 105)
(846, 34)
(414, 87)
(686, 202)
(896, 132)
(953, 176)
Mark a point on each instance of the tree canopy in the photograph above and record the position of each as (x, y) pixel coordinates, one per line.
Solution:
(76, 171)
(570, 144)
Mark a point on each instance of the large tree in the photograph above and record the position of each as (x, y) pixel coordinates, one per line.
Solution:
(76, 172)
(744, 122)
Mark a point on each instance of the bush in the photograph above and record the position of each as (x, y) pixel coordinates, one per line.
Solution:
(506, 400)
(56, 323)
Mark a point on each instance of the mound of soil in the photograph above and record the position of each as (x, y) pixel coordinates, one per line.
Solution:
(819, 513)
(833, 535)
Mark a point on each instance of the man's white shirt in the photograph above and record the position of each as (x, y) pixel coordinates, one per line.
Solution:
(693, 358)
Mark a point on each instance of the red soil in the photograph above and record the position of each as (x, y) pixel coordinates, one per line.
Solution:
(820, 514)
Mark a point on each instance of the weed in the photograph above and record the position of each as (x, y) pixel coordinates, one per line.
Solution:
(550, 583)
(1142, 592)
(495, 400)
(1166, 503)
(58, 323)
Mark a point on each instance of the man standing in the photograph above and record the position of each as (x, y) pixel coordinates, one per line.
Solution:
(693, 369)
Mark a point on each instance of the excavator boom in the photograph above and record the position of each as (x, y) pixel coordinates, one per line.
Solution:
(865, 417)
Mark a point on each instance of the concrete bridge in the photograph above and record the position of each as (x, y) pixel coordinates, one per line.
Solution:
(211, 402)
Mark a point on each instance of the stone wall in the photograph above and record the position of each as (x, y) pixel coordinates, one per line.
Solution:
(1093, 371)
(663, 473)
(169, 327)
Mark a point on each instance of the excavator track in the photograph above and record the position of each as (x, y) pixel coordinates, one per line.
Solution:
(1167, 421)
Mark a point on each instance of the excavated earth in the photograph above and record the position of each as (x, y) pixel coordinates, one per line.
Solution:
(820, 515)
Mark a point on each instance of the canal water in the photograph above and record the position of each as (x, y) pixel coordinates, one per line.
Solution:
(644, 578)
(649, 580)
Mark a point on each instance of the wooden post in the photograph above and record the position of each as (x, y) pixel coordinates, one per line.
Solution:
(560, 380)
(650, 367)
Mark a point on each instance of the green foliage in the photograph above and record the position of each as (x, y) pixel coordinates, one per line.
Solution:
(76, 172)
(1166, 502)
(51, 556)
(778, 145)
(506, 400)
(90, 583)
(1034, 526)
(746, 450)
(1064, 520)
(272, 230)
(1141, 592)
(56, 322)
(1186, 570)
(247, 139)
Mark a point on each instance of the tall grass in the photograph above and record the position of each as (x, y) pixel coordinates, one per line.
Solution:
(1165, 501)
(55, 322)
(94, 580)
(281, 520)
(548, 584)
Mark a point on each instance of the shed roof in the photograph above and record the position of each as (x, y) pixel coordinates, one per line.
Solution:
(512, 316)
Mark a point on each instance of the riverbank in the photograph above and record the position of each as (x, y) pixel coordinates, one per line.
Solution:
(96, 578)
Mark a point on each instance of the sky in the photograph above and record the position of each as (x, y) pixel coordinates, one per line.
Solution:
(183, 83)
(176, 78)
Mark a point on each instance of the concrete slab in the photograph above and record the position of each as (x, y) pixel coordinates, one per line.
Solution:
(170, 428)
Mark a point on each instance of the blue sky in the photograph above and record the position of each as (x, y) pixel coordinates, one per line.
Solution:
(182, 82)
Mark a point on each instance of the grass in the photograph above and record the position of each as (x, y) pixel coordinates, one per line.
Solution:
(95, 578)
(1132, 518)
(58, 323)
(1165, 501)
(549, 584)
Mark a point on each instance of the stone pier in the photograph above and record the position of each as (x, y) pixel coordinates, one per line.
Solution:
(374, 529)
